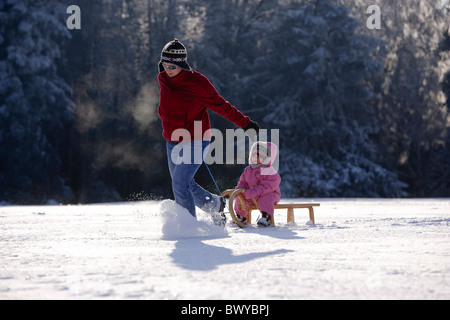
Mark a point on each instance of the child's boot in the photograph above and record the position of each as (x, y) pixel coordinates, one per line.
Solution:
(264, 220)
(241, 219)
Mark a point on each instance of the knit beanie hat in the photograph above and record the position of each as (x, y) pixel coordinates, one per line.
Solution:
(174, 52)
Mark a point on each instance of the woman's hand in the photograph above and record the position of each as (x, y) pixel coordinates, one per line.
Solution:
(252, 125)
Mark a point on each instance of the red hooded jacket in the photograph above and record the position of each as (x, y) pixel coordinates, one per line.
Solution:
(186, 98)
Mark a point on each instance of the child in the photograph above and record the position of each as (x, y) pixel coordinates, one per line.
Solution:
(261, 182)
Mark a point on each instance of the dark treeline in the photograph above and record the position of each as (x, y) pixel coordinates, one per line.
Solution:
(361, 112)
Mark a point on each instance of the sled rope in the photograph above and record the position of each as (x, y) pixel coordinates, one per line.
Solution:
(210, 173)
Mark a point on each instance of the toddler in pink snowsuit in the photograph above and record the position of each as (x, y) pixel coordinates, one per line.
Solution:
(261, 181)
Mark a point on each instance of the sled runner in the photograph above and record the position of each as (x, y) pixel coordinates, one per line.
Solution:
(289, 206)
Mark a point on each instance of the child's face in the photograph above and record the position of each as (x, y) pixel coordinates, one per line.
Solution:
(256, 159)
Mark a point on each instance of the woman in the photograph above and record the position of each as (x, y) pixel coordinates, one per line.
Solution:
(185, 97)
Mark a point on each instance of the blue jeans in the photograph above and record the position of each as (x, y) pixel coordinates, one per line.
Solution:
(183, 167)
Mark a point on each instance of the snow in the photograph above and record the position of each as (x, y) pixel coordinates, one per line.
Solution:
(358, 249)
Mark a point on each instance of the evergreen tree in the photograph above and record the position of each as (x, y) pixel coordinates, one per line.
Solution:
(412, 111)
(325, 103)
(35, 104)
(358, 110)
(444, 48)
(117, 132)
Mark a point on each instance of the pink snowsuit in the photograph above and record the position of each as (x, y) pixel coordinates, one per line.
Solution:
(261, 181)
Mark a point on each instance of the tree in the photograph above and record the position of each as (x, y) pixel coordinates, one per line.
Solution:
(412, 109)
(118, 147)
(35, 104)
(441, 183)
(325, 103)
(302, 62)
(444, 48)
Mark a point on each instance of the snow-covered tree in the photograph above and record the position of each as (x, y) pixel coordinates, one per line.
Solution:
(301, 67)
(35, 104)
(325, 103)
(411, 109)
(358, 109)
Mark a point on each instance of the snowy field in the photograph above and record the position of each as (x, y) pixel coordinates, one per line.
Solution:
(359, 249)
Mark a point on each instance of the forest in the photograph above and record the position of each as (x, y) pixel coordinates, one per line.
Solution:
(361, 112)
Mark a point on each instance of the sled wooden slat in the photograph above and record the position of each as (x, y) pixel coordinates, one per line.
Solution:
(292, 206)
(289, 206)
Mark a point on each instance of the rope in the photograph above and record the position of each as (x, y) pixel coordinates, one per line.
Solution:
(210, 173)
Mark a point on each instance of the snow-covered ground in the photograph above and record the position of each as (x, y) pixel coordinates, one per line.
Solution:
(359, 249)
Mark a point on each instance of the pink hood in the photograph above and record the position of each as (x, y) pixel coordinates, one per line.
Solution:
(266, 149)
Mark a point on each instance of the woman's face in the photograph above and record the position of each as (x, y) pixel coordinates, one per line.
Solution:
(171, 72)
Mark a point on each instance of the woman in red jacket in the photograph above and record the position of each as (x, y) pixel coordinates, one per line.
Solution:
(185, 97)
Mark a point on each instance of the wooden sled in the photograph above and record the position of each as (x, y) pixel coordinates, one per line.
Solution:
(289, 206)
